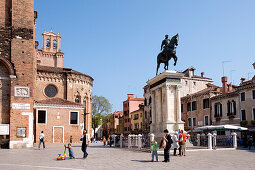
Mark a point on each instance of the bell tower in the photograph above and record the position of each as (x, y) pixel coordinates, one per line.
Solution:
(51, 42)
(51, 54)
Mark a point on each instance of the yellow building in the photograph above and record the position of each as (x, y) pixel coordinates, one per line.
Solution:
(137, 120)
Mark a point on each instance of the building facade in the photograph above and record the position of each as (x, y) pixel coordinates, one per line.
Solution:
(246, 95)
(130, 105)
(137, 125)
(196, 107)
(37, 93)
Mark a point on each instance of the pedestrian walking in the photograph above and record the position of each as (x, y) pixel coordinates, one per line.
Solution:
(154, 150)
(250, 142)
(70, 149)
(110, 139)
(41, 139)
(85, 143)
(182, 140)
(175, 142)
(168, 140)
(71, 139)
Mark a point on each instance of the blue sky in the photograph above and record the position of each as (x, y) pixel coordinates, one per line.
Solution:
(117, 41)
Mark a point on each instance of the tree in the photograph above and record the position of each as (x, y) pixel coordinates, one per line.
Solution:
(100, 106)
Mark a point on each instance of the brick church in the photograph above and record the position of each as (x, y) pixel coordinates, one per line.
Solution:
(36, 92)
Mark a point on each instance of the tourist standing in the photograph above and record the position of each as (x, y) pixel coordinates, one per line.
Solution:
(175, 142)
(250, 142)
(182, 140)
(104, 140)
(85, 142)
(168, 140)
(41, 139)
(71, 139)
(110, 139)
(179, 133)
(154, 150)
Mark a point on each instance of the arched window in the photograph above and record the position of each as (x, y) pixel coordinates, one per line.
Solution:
(54, 44)
(77, 99)
(47, 43)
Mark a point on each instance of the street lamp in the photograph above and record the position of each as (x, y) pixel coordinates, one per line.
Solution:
(85, 113)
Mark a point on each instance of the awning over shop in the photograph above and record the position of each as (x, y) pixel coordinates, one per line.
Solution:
(219, 127)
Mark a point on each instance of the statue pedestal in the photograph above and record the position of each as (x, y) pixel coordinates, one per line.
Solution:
(166, 103)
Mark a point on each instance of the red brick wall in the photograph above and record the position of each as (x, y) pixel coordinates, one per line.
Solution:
(52, 120)
(23, 59)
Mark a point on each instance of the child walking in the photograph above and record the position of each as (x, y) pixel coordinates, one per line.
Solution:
(70, 149)
(154, 150)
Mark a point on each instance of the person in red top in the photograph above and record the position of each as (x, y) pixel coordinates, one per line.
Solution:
(182, 140)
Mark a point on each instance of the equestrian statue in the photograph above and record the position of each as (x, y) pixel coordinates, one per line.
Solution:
(168, 52)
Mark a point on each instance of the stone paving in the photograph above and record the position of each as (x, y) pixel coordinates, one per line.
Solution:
(115, 158)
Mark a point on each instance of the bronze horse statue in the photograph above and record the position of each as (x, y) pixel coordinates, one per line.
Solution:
(169, 51)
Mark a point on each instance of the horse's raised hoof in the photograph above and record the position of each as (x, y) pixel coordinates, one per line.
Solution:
(174, 64)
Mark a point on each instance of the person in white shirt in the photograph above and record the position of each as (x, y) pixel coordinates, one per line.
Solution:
(41, 138)
(175, 142)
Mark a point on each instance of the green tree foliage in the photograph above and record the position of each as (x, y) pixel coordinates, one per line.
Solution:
(100, 107)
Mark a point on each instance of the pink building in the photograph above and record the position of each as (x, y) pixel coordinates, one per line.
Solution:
(130, 105)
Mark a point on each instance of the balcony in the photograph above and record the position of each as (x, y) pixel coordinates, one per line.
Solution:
(231, 115)
(218, 117)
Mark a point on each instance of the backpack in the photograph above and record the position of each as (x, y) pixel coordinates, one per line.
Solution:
(171, 141)
(181, 138)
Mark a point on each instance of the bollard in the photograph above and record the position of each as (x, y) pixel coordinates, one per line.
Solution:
(129, 141)
(114, 140)
(121, 140)
(214, 140)
(198, 139)
(136, 140)
(234, 140)
(139, 141)
(151, 139)
(209, 141)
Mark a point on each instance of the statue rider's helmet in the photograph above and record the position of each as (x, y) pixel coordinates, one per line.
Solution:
(166, 36)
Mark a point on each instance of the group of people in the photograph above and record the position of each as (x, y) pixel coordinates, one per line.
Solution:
(109, 140)
(178, 141)
(85, 143)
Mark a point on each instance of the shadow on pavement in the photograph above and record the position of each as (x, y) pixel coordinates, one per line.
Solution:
(145, 161)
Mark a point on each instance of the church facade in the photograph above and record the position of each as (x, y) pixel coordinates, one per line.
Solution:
(36, 92)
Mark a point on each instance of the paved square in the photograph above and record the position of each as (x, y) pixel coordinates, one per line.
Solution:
(115, 158)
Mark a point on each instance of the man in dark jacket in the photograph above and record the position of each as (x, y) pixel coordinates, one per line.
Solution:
(168, 140)
(84, 145)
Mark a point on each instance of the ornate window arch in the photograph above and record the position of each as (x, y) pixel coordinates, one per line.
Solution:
(48, 43)
(55, 45)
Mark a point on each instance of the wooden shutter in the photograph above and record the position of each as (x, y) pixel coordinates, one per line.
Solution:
(234, 105)
(220, 110)
(215, 110)
(228, 108)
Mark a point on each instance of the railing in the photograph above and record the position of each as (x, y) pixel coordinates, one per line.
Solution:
(224, 141)
(204, 140)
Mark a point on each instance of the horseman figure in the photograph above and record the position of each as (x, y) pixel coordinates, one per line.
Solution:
(169, 51)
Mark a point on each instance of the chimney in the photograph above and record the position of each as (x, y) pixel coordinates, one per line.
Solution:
(242, 79)
(202, 74)
(130, 96)
(230, 87)
(224, 81)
